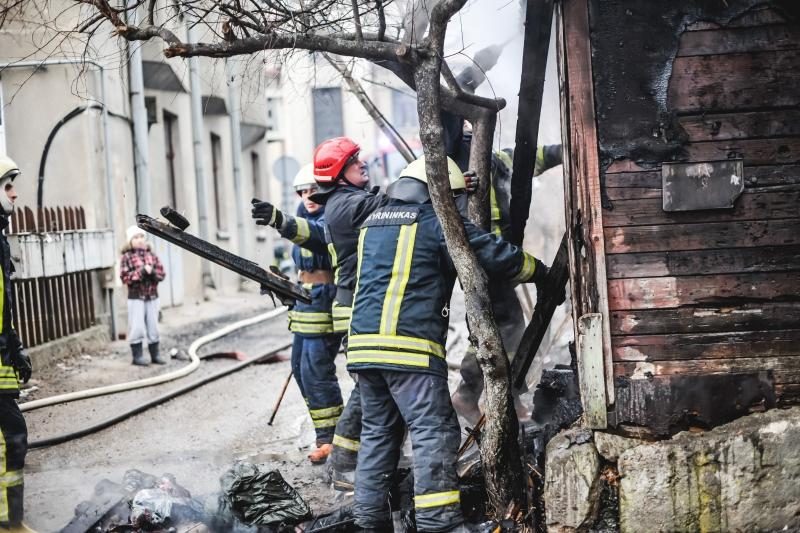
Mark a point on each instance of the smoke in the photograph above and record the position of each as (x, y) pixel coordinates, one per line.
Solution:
(471, 48)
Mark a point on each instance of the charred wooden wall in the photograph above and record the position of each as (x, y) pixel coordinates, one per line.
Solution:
(703, 306)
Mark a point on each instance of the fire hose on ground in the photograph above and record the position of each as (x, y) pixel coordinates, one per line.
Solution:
(111, 389)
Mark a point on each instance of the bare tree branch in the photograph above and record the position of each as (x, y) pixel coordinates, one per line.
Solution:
(357, 21)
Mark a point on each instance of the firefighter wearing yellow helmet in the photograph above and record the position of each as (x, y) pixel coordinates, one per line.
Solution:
(397, 338)
(15, 367)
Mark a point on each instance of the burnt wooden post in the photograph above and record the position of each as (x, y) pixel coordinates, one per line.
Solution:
(584, 217)
(538, 19)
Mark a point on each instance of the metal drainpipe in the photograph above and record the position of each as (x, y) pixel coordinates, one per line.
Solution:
(110, 204)
(232, 75)
(139, 116)
(197, 145)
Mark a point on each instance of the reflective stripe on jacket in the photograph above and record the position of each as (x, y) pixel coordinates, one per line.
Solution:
(310, 253)
(404, 281)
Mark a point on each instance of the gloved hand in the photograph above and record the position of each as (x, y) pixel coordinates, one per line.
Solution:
(471, 179)
(266, 214)
(22, 364)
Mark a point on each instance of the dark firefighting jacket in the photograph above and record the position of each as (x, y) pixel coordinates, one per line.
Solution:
(10, 344)
(310, 254)
(404, 281)
(346, 209)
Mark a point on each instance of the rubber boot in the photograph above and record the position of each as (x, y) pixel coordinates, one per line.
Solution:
(155, 355)
(138, 356)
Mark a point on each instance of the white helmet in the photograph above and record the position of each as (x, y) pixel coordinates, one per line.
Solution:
(304, 179)
(8, 172)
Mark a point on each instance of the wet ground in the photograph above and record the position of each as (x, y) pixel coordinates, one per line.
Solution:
(196, 437)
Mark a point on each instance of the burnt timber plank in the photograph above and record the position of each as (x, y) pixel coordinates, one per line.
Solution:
(785, 369)
(755, 176)
(738, 40)
(582, 173)
(666, 404)
(715, 261)
(727, 345)
(652, 293)
(702, 236)
(750, 206)
(754, 124)
(742, 317)
(753, 151)
(734, 82)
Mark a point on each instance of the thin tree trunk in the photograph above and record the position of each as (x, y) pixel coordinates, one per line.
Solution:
(499, 448)
(480, 160)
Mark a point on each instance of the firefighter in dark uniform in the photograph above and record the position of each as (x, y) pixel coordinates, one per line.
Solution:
(15, 367)
(315, 343)
(342, 179)
(505, 305)
(397, 336)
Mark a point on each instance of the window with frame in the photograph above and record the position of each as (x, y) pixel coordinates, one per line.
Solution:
(219, 189)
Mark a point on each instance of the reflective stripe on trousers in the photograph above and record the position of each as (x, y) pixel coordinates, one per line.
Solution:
(314, 370)
(392, 400)
(347, 437)
(13, 447)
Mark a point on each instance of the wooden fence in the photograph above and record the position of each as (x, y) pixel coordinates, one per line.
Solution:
(51, 307)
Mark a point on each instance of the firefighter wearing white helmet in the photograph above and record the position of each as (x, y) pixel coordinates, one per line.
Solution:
(15, 367)
(315, 344)
(397, 343)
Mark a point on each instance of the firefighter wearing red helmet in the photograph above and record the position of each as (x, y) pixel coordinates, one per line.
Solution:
(342, 178)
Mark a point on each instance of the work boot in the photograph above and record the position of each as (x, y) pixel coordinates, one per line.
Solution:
(344, 481)
(155, 355)
(138, 356)
(320, 455)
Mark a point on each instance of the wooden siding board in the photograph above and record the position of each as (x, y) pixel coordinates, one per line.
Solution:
(739, 40)
(755, 176)
(714, 261)
(702, 236)
(653, 293)
(753, 151)
(735, 82)
(749, 125)
(705, 319)
(785, 369)
(749, 206)
(726, 345)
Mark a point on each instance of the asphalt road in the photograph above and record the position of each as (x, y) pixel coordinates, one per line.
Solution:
(195, 437)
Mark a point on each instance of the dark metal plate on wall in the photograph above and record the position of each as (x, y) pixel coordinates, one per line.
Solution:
(701, 185)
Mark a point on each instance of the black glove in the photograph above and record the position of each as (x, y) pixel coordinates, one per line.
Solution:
(22, 364)
(471, 180)
(266, 214)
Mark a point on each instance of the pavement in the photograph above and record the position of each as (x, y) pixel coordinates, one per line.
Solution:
(195, 437)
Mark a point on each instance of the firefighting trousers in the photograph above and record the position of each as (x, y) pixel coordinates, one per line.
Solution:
(13, 447)
(314, 370)
(392, 400)
(347, 437)
(143, 321)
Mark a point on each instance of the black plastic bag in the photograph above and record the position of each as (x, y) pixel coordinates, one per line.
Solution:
(258, 496)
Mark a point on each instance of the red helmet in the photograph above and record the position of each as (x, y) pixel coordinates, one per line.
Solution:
(330, 158)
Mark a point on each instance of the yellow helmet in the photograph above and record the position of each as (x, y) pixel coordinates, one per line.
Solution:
(8, 168)
(304, 179)
(416, 170)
